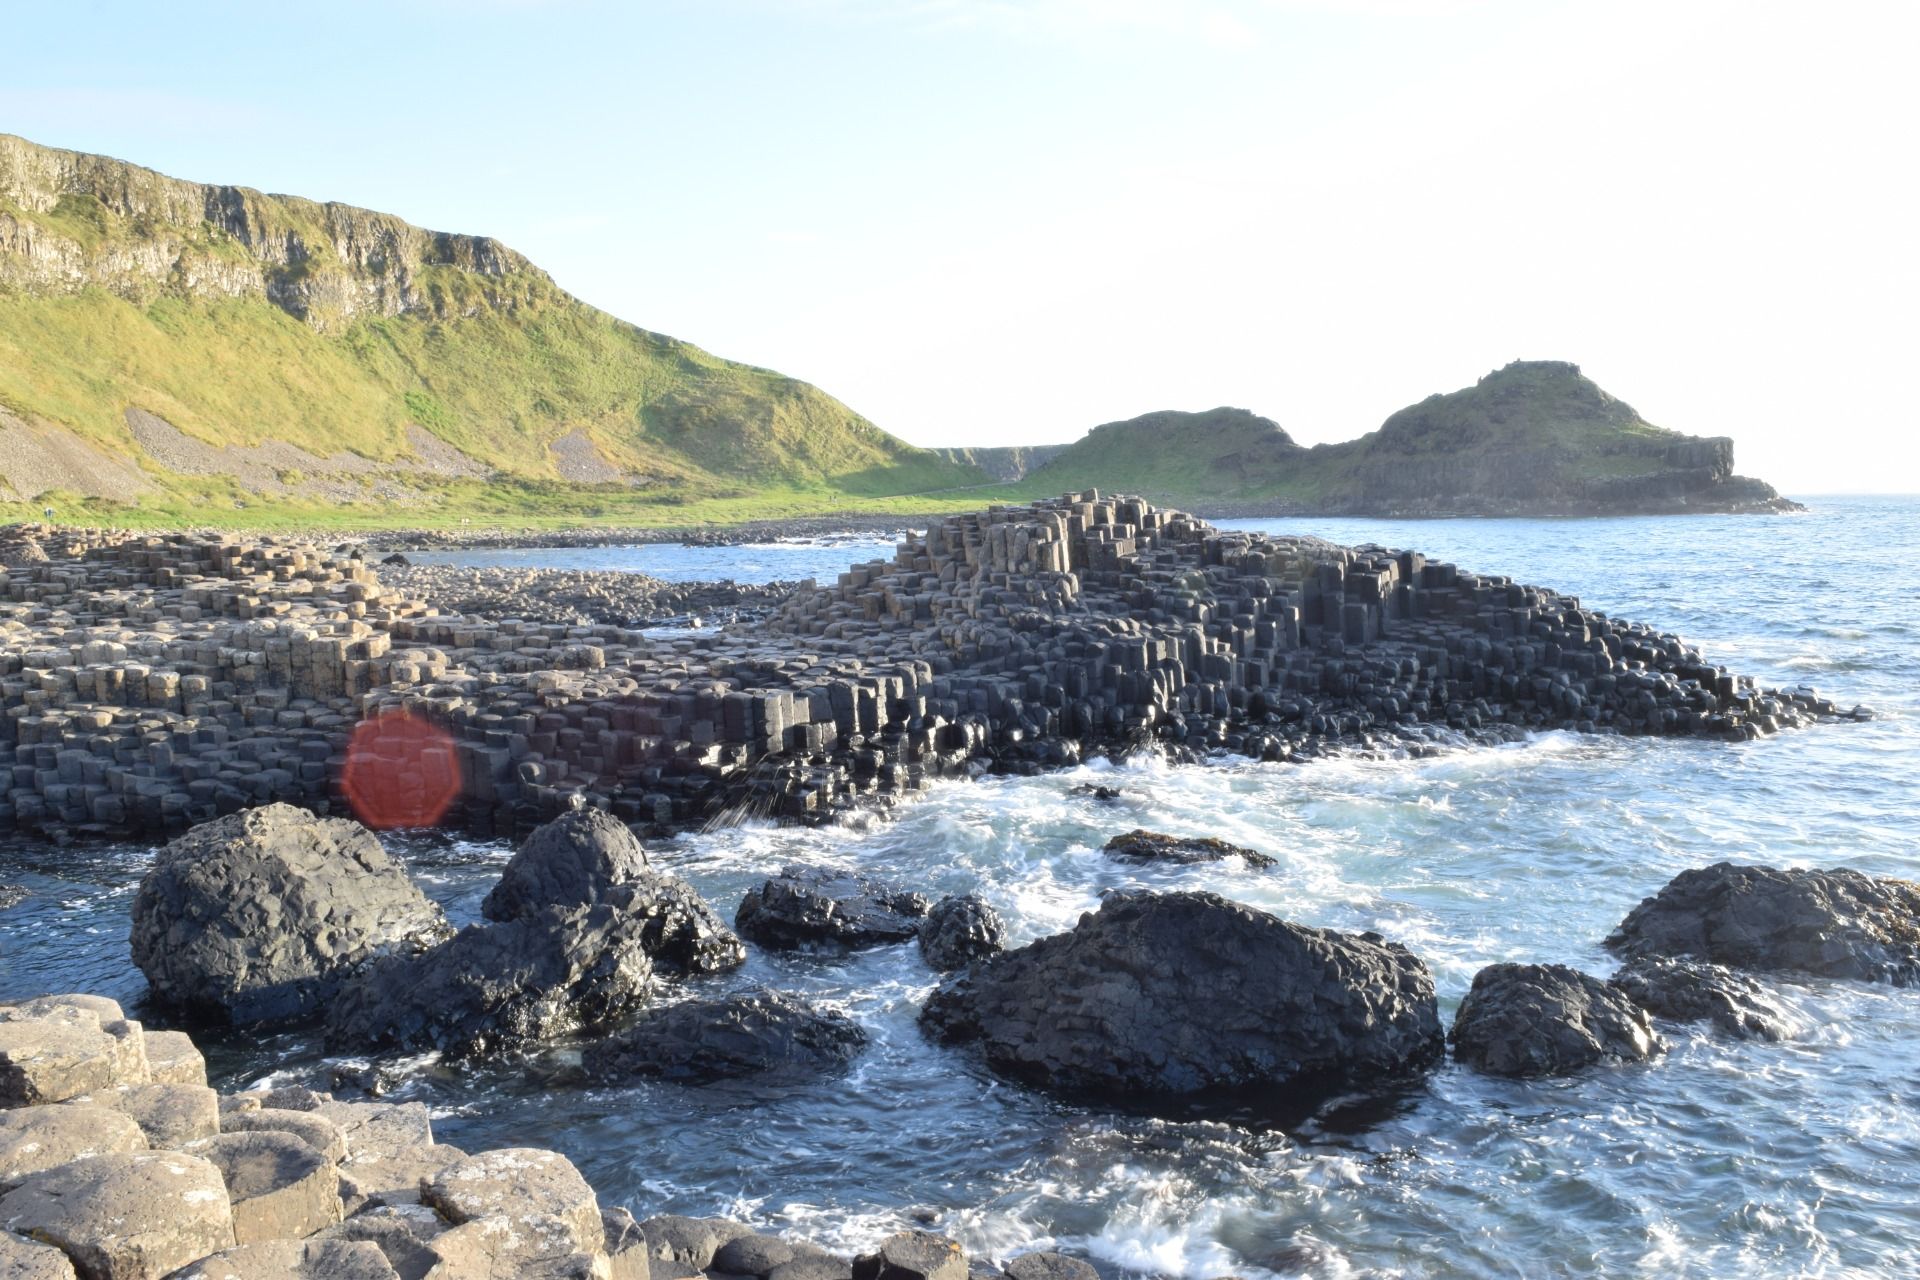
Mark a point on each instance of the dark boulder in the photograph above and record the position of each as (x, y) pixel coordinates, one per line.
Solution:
(1548, 1020)
(568, 862)
(746, 1034)
(260, 915)
(1834, 924)
(960, 930)
(822, 906)
(1098, 791)
(500, 986)
(1152, 846)
(1688, 991)
(677, 928)
(1187, 996)
(588, 856)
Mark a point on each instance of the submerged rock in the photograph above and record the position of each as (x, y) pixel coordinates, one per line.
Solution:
(11, 895)
(1548, 1020)
(571, 861)
(1688, 991)
(960, 930)
(1185, 995)
(746, 1034)
(1153, 846)
(823, 906)
(1834, 924)
(500, 986)
(259, 916)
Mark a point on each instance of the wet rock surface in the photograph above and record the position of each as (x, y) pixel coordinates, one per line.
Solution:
(1548, 1020)
(1157, 997)
(1688, 991)
(497, 987)
(1833, 924)
(959, 930)
(1152, 846)
(259, 916)
(827, 907)
(752, 1033)
(570, 861)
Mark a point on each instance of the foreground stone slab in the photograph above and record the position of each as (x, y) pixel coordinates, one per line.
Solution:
(24, 1259)
(125, 1217)
(1834, 924)
(35, 1139)
(172, 1058)
(51, 1053)
(521, 1247)
(1050, 1266)
(913, 1255)
(318, 1132)
(1548, 1020)
(520, 1185)
(280, 1188)
(1191, 997)
(404, 1234)
(256, 917)
(294, 1260)
(171, 1115)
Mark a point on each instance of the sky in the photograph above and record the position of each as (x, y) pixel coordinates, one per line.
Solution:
(1004, 221)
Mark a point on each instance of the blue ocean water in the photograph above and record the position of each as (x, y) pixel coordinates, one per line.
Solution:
(1723, 1159)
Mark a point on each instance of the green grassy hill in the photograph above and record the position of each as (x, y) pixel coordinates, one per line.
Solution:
(260, 325)
(1536, 437)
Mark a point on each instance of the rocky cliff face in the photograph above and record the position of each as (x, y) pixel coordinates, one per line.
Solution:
(325, 264)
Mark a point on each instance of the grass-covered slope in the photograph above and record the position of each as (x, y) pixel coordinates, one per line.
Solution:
(243, 319)
(1536, 437)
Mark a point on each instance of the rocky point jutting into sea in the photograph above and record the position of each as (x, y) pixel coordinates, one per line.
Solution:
(153, 681)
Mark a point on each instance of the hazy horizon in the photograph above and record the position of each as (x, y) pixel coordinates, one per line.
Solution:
(992, 222)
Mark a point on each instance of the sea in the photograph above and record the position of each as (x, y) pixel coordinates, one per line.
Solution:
(1722, 1158)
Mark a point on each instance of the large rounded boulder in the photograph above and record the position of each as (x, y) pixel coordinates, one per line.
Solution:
(1833, 924)
(1189, 997)
(1548, 1020)
(751, 1033)
(568, 862)
(259, 916)
(588, 857)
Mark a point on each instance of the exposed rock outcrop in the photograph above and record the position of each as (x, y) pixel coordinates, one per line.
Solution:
(1152, 846)
(1189, 996)
(1689, 991)
(260, 916)
(1833, 924)
(827, 907)
(497, 987)
(1548, 1020)
(751, 1033)
(959, 930)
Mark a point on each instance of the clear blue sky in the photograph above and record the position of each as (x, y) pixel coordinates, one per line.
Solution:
(1002, 221)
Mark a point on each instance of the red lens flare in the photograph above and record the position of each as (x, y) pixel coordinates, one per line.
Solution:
(400, 772)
